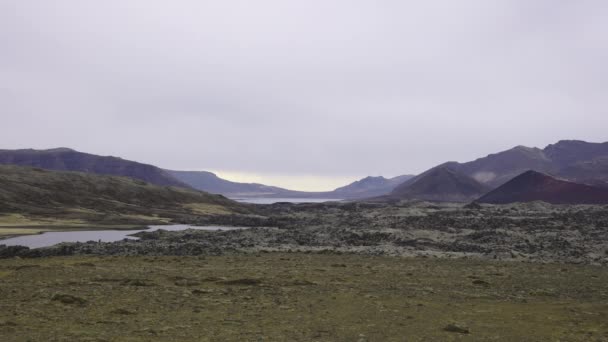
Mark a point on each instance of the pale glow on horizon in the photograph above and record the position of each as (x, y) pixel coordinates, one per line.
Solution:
(291, 182)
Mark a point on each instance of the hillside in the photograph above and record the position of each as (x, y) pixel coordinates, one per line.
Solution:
(210, 182)
(593, 172)
(35, 192)
(496, 169)
(565, 153)
(370, 187)
(536, 186)
(65, 159)
(574, 160)
(442, 184)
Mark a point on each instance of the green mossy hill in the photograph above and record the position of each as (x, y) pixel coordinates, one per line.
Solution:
(27, 190)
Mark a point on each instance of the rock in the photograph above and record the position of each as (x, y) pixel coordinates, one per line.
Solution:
(243, 281)
(480, 282)
(68, 299)
(453, 327)
(299, 282)
(24, 267)
(7, 324)
(187, 282)
(86, 264)
(136, 282)
(201, 291)
(473, 206)
(215, 279)
(122, 312)
(12, 251)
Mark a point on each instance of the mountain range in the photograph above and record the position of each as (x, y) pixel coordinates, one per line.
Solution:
(65, 159)
(210, 182)
(574, 160)
(571, 160)
(568, 160)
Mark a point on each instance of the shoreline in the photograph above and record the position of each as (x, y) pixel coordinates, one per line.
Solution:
(45, 229)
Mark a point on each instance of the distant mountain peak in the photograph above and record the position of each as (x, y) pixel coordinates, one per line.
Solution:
(373, 178)
(534, 173)
(442, 183)
(570, 142)
(526, 148)
(59, 149)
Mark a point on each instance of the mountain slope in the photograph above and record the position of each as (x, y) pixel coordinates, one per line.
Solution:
(571, 159)
(25, 190)
(565, 153)
(536, 186)
(370, 187)
(496, 169)
(443, 184)
(64, 159)
(593, 172)
(210, 182)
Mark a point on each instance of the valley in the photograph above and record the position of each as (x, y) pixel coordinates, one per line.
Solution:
(444, 255)
(306, 171)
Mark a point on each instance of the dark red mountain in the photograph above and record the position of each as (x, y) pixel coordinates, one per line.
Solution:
(535, 186)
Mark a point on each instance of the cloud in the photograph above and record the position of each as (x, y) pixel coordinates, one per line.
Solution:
(328, 88)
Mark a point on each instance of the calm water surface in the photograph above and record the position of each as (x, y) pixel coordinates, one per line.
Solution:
(53, 238)
(291, 200)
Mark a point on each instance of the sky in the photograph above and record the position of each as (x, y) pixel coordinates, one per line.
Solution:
(307, 95)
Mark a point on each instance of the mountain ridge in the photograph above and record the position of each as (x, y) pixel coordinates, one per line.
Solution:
(66, 159)
(210, 182)
(442, 184)
(577, 160)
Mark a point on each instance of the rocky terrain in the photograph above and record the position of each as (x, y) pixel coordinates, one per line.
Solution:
(536, 232)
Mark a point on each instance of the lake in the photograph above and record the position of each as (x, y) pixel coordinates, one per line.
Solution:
(261, 200)
(52, 238)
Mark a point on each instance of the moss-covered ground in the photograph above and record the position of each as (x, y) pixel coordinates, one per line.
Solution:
(299, 297)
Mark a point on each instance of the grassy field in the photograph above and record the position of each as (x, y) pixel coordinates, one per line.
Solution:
(299, 297)
(18, 224)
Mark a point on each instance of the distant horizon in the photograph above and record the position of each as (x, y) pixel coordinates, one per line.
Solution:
(296, 182)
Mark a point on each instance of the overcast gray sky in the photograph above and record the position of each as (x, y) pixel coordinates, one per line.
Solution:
(305, 94)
